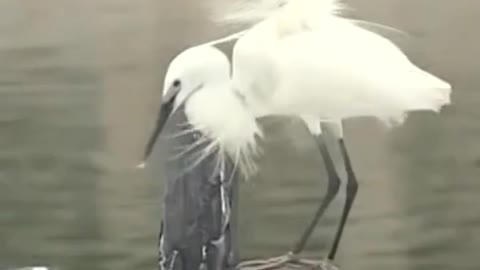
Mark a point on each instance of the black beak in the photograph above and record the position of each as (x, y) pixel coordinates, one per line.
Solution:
(165, 111)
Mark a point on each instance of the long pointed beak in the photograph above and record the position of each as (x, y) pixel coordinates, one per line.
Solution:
(164, 114)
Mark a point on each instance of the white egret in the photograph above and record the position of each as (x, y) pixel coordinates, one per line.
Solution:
(299, 59)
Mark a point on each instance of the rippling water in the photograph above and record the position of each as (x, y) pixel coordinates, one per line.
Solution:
(79, 85)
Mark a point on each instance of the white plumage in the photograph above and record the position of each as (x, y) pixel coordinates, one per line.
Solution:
(327, 67)
(212, 108)
(298, 58)
(250, 12)
(301, 58)
(335, 71)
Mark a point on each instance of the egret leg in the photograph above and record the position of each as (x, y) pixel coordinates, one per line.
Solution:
(291, 258)
(352, 188)
(332, 190)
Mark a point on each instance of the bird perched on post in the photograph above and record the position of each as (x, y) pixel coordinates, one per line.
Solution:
(298, 58)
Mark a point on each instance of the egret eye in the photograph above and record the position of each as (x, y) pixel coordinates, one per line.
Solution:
(176, 83)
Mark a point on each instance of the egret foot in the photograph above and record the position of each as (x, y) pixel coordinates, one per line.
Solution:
(270, 263)
(287, 261)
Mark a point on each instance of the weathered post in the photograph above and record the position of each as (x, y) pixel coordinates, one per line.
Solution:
(199, 203)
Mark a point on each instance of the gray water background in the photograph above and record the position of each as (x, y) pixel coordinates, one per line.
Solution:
(80, 83)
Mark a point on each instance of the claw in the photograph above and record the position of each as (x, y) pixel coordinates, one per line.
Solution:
(287, 261)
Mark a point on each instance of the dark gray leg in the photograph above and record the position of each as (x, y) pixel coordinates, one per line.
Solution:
(332, 190)
(352, 188)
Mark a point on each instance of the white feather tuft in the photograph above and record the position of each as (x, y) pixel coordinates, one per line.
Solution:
(290, 14)
(250, 12)
(221, 117)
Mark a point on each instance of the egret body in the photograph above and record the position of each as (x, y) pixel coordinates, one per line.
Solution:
(299, 58)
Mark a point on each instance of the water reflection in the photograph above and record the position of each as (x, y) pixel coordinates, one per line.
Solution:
(79, 85)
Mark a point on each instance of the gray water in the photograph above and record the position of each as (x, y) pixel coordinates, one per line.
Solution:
(79, 88)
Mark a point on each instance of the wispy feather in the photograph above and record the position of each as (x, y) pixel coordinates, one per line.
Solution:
(249, 12)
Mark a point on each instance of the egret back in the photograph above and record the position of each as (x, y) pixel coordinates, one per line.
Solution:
(255, 73)
(341, 70)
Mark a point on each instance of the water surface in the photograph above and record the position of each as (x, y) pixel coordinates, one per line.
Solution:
(79, 88)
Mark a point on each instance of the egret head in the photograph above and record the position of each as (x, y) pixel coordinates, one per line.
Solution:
(192, 70)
